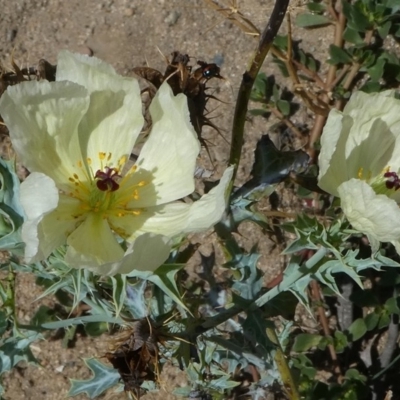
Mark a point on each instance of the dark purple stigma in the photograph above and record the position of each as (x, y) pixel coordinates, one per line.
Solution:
(393, 180)
(106, 181)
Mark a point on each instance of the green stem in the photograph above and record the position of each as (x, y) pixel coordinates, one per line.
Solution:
(283, 367)
(291, 279)
(249, 77)
(286, 283)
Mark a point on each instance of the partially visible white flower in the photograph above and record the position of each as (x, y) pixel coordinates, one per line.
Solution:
(75, 135)
(360, 163)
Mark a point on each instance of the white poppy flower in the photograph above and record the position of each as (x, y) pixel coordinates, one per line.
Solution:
(360, 163)
(75, 135)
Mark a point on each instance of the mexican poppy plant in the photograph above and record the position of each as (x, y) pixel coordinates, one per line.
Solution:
(75, 136)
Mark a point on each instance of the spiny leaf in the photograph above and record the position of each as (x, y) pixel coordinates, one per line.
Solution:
(16, 348)
(135, 300)
(251, 281)
(237, 352)
(103, 378)
(222, 383)
(255, 327)
(81, 320)
(9, 191)
(119, 292)
(164, 278)
(11, 212)
(3, 322)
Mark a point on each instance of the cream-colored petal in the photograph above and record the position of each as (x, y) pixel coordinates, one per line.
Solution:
(168, 220)
(207, 211)
(93, 243)
(374, 153)
(332, 162)
(39, 197)
(146, 253)
(111, 126)
(92, 73)
(114, 118)
(329, 138)
(372, 214)
(51, 217)
(178, 218)
(396, 197)
(364, 138)
(365, 107)
(57, 225)
(141, 184)
(32, 237)
(171, 150)
(42, 118)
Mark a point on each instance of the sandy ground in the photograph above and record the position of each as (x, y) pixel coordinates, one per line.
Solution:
(128, 34)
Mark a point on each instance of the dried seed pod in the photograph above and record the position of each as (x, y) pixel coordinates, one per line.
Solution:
(136, 355)
(182, 79)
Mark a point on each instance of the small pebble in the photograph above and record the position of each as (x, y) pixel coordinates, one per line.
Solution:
(128, 12)
(172, 18)
(11, 34)
(218, 59)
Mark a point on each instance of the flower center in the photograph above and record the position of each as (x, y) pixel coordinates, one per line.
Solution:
(385, 183)
(107, 192)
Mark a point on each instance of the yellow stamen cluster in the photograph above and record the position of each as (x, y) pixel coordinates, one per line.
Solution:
(360, 174)
(381, 182)
(109, 204)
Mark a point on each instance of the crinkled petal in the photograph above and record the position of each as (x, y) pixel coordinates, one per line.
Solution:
(114, 119)
(209, 210)
(370, 213)
(365, 109)
(57, 225)
(332, 162)
(146, 253)
(39, 197)
(364, 138)
(43, 118)
(178, 218)
(374, 153)
(111, 126)
(138, 189)
(329, 138)
(171, 150)
(93, 243)
(168, 220)
(92, 73)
